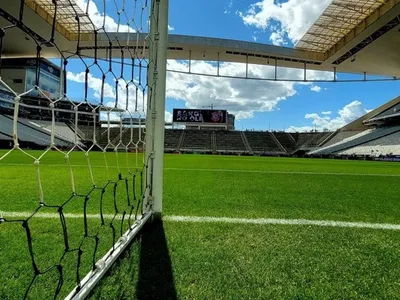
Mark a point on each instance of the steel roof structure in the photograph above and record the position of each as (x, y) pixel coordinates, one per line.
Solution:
(339, 18)
(351, 36)
(67, 12)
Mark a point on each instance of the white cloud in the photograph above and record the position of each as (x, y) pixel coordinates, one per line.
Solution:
(171, 28)
(229, 7)
(135, 103)
(315, 88)
(98, 18)
(94, 83)
(168, 117)
(240, 97)
(278, 38)
(294, 16)
(347, 114)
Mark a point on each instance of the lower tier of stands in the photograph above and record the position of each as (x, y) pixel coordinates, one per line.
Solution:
(30, 134)
(197, 140)
(229, 141)
(356, 140)
(262, 143)
(371, 142)
(387, 145)
(172, 139)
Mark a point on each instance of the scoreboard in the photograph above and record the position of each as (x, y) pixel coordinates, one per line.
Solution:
(200, 116)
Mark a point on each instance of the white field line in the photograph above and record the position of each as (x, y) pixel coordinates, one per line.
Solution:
(14, 215)
(224, 170)
(285, 172)
(299, 222)
(193, 219)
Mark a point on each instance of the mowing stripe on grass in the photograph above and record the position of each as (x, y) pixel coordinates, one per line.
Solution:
(225, 170)
(193, 219)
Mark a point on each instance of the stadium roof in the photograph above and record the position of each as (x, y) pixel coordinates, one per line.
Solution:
(339, 18)
(360, 123)
(351, 36)
(66, 16)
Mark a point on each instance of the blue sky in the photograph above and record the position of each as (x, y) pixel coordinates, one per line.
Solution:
(258, 105)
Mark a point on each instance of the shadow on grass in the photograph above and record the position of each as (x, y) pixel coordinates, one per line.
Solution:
(156, 280)
(144, 271)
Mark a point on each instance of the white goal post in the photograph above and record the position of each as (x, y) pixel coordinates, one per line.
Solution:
(155, 122)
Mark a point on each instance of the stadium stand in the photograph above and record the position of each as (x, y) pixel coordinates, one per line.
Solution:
(197, 140)
(229, 141)
(214, 142)
(114, 135)
(61, 130)
(4, 137)
(326, 137)
(387, 145)
(286, 140)
(129, 135)
(28, 134)
(171, 139)
(341, 136)
(355, 140)
(85, 132)
(246, 142)
(308, 140)
(262, 143)
(5, 141)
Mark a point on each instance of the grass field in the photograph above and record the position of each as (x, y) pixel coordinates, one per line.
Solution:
(213, 260)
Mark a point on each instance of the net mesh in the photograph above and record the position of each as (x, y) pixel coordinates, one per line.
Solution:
(86, 184)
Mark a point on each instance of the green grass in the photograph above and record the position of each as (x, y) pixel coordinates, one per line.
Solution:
(213, 261)
(225, 261)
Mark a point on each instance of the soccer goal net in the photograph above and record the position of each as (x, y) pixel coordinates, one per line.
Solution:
(82, 91)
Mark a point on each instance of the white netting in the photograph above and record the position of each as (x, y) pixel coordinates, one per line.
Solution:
(77, 135)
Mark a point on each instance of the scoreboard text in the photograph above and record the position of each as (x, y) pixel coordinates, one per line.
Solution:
(200, 116)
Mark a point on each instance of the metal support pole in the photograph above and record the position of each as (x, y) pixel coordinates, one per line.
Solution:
(334, 73)
(247, 66)
(276, 69)
(190, 61)
(155, 122)
(218, 65)
(61, 83)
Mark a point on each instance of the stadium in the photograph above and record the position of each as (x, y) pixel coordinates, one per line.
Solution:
(101, 197)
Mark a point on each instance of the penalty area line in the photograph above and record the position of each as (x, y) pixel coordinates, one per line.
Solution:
(195, 219)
